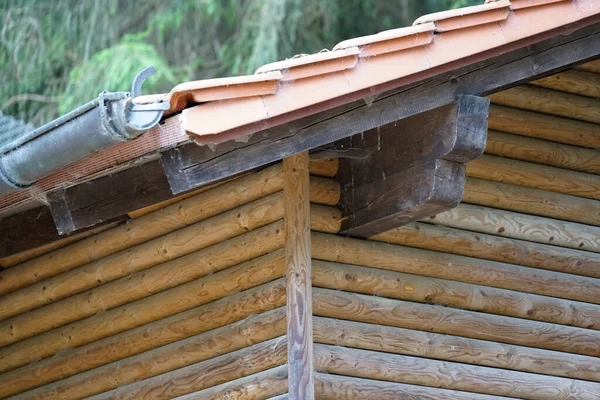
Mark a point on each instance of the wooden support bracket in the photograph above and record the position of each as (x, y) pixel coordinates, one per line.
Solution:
(415, 167)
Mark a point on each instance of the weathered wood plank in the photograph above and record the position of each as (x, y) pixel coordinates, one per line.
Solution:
(402, 197)
(535, 176)
(418, 371)
(532, 228)
(298, 274)
(253, 387)
(449, 321)
(334, 387)
(225, 368)
(591, 66)
(543, 152)
(532, 201)
(108, 197)
(195, 321)
(424, 289)
(449, 266)
(485, 75)
(546, 127)
(454, 348)
(572, 81)
(496, 248)
(195, 349)
(160, 305)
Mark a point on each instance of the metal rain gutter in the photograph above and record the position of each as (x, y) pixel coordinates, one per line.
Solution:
(102, 123)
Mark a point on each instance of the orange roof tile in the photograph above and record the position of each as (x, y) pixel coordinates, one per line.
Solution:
(366, 63)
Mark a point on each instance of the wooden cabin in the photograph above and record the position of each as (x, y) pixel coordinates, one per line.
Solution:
(373, 253)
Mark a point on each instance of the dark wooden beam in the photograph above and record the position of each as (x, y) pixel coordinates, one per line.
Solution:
(571, 45)
(108, 197)
(415, 167)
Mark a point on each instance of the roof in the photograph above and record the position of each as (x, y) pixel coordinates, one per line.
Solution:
(218, 110)
(11, 129)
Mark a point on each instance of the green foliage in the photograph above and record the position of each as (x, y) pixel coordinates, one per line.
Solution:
(58, 54)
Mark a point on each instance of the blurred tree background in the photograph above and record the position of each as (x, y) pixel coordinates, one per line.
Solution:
(58, 54)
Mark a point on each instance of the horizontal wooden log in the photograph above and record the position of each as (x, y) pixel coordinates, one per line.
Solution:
(440, 319)
(24, 256)
(449, 266)
(454, 348)
(144, 283)
(327, 167)
(543, 152)
(158, 223)
(591, 66)
(490, 247)
(532, 201)
(334, 387)
(195, 349)
(253, 387)
(572, 81)
(448, 293)
(195, 321)
(536, 176)
(225, 368)
(521, 226)
(546, 127)
(146, 310)
(550, 102)
(432, 373)
(143, 256)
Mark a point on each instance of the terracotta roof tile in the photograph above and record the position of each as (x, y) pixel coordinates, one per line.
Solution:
(468, 16)
(314, 64)
(302, 85)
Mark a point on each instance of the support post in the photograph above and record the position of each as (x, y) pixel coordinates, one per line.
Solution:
(298, 272)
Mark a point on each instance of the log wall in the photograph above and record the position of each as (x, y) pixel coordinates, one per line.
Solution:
(186, 299)
(497, 298)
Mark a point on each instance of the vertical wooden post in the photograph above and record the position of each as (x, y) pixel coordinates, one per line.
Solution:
(299, 291)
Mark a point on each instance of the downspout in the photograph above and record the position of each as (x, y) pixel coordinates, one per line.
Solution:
(102, 123)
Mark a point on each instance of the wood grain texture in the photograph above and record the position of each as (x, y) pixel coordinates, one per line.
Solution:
(39, 251)
(550, 102)
(543, 152)
(432, 373)
(572, 81)
(161, 222)
(546, 127)
(334, 387)
(521, 226)
(255, 329)
(144, 283)
(143, 256)
(491, 247)
(146, 310)
(260, 386)
(440, 319)
(416, 343)
(422, 289)
(298, 274)
(591, 66)
(228, 310)
(532, 201)
(536, 176)
(225, 368)
(158, 223)
(454, 267)
(324, 167)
